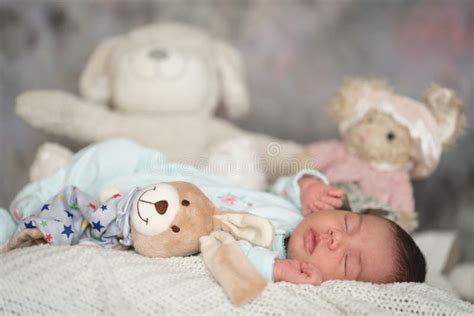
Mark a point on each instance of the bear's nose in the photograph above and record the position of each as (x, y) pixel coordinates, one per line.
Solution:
(161, 207)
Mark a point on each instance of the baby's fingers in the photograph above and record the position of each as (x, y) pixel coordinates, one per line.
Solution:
(320, 205)
(334, 202)
(315, 273)
(307, 209)
(312, 275)
(336, 193)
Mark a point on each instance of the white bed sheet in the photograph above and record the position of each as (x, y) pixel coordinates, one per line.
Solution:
(91, 281)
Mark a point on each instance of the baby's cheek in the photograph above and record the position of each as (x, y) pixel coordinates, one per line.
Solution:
(328, 265)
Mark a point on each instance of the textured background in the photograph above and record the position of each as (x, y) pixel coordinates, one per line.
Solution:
(297, 53)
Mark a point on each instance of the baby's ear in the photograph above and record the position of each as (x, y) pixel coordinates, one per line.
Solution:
(257, 230)
(343, 104)
(448, 110)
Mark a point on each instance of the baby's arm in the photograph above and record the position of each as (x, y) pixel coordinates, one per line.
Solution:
(261, 258)
(273, 269)
(306, 188)
(296, 272)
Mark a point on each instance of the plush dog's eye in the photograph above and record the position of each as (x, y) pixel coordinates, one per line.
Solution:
(185, 203)
(390, 136)
(175, 228)
(158, 54)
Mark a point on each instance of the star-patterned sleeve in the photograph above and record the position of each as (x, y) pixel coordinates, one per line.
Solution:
(288, 187)
(72, 216)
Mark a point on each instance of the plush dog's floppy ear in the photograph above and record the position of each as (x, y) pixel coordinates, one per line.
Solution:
(233, 91)
(256, 230)
(94, 82)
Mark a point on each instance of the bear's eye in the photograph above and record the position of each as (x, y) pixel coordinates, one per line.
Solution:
(185, 203)
(158, 54)
(175, 228)
(390, 136)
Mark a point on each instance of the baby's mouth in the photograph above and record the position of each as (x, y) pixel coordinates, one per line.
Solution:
(310, 239)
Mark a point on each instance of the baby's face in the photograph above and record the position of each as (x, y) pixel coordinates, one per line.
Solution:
(345, 246)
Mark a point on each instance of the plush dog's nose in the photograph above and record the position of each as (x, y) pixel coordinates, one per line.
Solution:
(161, 206)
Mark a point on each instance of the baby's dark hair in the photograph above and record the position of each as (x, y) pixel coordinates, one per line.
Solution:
(410, 264)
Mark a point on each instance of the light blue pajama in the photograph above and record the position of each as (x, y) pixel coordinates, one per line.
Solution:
(122, 165)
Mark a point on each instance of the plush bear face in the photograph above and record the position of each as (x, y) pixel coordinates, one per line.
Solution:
(381, 140)
(167, 219)
(393, 131)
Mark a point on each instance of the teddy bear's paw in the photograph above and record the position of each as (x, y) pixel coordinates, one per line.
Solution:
(239, 161)
(49, 158)
(47, 110)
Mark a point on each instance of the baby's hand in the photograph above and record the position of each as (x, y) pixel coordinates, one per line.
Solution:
(296, 272)
(317, 196)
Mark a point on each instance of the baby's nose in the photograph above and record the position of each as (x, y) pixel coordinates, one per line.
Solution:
(333, 239)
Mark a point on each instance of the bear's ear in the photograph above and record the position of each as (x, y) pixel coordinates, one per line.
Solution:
(233, 91)
(352, 91)
(448, 110)
(94, 82)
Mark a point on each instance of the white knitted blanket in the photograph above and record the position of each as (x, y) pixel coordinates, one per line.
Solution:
(90, 281)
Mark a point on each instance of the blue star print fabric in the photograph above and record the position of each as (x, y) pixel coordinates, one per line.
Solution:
(72, 216)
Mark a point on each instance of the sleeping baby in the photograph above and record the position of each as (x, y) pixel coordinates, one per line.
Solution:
(313, 242)
(341, 245)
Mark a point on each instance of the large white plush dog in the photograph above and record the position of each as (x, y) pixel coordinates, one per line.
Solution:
(159, 85)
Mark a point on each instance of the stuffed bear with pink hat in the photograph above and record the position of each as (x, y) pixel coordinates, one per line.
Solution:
(387, 139)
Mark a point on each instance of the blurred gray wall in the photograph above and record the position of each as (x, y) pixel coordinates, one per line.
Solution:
(297, 53)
